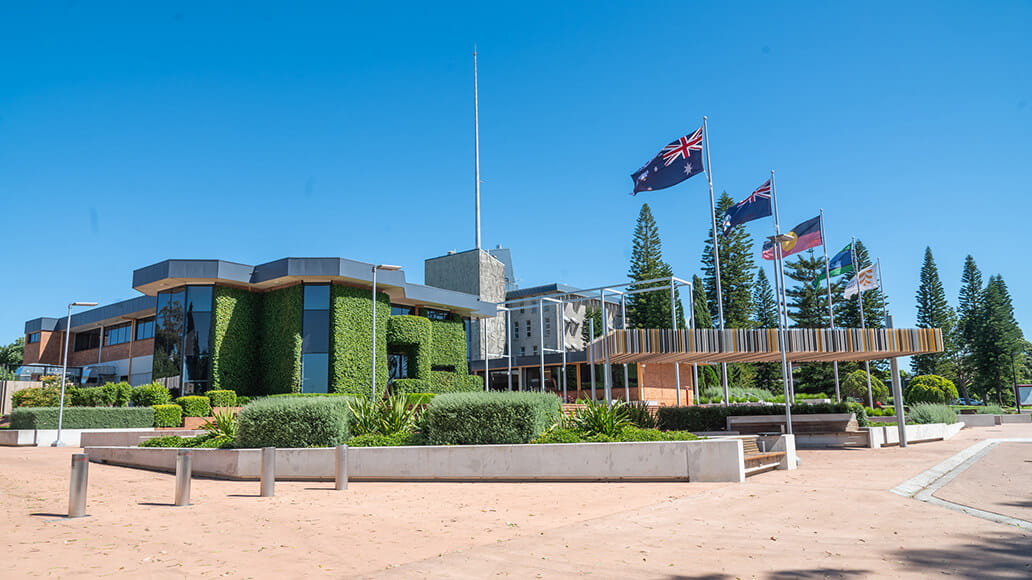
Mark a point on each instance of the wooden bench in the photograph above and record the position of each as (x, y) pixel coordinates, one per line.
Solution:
(801, 423)
(757, 461)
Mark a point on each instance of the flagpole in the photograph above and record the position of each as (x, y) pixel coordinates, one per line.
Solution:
(779, 282)
(863, 324)
(476, 143)
(831, 307)
(716, 252)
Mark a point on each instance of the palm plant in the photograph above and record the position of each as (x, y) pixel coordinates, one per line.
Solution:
(222, 427)
(600, 418)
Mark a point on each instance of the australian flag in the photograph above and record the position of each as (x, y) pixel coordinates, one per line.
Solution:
(754, 207)
(675, 163)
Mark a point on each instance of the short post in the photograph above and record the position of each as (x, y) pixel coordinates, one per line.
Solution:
(184, 471)
(77, 487)
(341, 481)
(268, 471)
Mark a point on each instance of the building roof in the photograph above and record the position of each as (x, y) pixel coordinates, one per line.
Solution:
(553, 289)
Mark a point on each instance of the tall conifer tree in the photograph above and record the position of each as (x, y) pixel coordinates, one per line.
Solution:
(808, 308)
(998, 342)
(737, 265)
(650, 309)
(933, 311)
(765, 315)
(969, 306)
(847, 314)
(708, 375)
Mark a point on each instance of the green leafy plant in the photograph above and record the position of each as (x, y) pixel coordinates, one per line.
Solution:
(109, 395)
(293, 422)
(45, 396)
(599, 418)
(222, 427)
(991, 410)
(385, 417)
(380, 440)
(168, 415)
(923, 413)
(855, 385)
(640, 414)
(930, 389)
(236, 336)
(150, 395)
(194, 406)
(242, 400)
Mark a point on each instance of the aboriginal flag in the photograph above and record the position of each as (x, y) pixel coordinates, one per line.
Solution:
(802, 237)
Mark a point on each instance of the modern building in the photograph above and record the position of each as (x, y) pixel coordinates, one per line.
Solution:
(292, 325)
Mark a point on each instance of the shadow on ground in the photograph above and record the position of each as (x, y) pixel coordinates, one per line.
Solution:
(813, 573)
(1001, 555)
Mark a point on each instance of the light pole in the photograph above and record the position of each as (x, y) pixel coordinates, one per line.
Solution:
(64, 371)
(375, 268)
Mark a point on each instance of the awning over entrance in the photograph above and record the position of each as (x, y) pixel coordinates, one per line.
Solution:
(761, 345)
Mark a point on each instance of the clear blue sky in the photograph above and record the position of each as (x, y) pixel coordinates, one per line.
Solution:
(131, 133)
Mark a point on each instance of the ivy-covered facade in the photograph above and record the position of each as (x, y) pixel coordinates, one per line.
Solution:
(297, 325)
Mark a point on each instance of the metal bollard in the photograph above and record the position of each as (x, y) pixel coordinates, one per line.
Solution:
(268, 471)
(342, 468)
(77, 487)
(184, 471)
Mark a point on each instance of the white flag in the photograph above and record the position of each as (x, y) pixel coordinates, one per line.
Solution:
(868, 281)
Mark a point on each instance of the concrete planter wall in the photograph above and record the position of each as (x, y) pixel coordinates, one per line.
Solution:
(889, 435)
(991, 420)
(709, 460)
(70, 437)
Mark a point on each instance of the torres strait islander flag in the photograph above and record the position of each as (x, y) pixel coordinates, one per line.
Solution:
(677, 161)
(802, 237)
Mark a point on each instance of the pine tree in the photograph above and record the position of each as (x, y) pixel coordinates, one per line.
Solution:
(933, 311)
(969, 306)
(998, 342)
(737, 265)
(650, 309)
(708, 375)
(808, 308)
(591, 314)
(765, 315)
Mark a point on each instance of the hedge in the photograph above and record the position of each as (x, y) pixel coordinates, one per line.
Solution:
(930, 389)
(713, 418)
(168, 415)
(82, 417)
(235, 338)
(281, 341)
(351, 335)
(109, 395)
(290, 422)
(449, 344)
(449, 382)
(400, 386)
(222, 398)
(150, 395)
(194, 406)
(489, 418)
(414, 333)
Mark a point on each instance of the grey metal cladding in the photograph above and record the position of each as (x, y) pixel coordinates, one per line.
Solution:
(193, 269)
(108, 311)
(38, 324)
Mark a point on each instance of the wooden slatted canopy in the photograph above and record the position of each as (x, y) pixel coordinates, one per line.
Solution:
(761, 345)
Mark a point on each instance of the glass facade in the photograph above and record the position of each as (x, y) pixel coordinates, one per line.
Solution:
(144, 328)
(399, 310)
(315, 339)
(182, 339)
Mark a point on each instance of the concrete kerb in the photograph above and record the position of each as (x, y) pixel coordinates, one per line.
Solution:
(923, 486)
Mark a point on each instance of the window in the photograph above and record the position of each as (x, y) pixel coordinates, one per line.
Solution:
(34, 337)
(399, 310)
(515, 327)
(144, 328)
(87, 340)
(528, 329)
(182, 338)
(523, 351)
(315, 339)
(120, 334)
(434, 314)
(535, 350)
(443, 368)
(548, 327)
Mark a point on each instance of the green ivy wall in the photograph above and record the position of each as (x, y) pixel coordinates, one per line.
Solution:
(281, 341)
(351, 335)
(235, 341)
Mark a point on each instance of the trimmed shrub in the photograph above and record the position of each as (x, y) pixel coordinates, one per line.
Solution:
(164, 441)
(241, 400)
(410, 386)
(991, 410)
(150, 395)
(222, 398)
(930, 389)
(194, 406)
(416, 399)
(42, 397)
(449, 382)
(626, 434)
(489, 418)
(109, 395)
(714, 418)
(923, 413)
(82, 417)
(168, 415)
(205, 441)
(293, 422)
(378, 440)
(855, 385)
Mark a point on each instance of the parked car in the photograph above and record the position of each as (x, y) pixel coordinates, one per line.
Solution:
(967, 401)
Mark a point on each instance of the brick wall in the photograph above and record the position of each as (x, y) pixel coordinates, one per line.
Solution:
(46, 351)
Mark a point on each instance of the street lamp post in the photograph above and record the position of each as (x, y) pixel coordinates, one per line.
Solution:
(375, 268)
(64, 371)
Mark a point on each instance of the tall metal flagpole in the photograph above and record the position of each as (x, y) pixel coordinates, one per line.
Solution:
(863, 323)
(831, 307)
(673, 327)
(476, 142)
(623, 326)
(779, 281)
(716, 251)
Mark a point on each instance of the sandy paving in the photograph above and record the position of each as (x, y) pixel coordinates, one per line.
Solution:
(1001, 482)
(834, 518)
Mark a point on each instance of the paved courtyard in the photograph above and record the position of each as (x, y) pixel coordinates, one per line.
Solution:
(833, 518)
